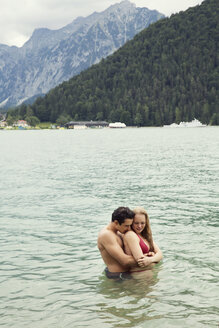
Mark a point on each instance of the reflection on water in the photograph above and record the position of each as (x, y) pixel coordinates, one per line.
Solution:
(129, 300)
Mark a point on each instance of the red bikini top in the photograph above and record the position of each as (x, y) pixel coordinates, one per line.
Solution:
(143, 246)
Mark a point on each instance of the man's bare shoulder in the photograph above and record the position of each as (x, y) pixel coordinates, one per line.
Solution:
(105, 232)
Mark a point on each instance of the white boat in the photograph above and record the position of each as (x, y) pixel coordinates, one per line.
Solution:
(193, 124)
(117, 125)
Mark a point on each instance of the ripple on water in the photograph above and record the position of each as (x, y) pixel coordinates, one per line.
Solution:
(63, 189)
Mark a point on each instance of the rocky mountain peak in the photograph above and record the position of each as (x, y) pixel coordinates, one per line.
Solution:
(50, 57)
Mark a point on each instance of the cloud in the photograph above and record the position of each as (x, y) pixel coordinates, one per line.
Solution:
(169, 7)
(18, 19)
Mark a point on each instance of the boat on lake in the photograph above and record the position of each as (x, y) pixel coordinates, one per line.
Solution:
(193, 124)
(117, 125)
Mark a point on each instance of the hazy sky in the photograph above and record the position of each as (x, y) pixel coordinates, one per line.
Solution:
(19, 18)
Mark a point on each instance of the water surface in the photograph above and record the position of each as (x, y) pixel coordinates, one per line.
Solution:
(58, 188)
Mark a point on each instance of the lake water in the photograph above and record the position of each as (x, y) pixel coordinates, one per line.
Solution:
(59, 187)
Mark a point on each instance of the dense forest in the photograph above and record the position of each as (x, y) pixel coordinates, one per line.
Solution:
(167, 73)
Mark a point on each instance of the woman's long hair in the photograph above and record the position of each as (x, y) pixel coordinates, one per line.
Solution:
(146, 233)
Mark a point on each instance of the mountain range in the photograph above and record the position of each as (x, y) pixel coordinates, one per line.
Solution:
(169, 72)
(50, 57)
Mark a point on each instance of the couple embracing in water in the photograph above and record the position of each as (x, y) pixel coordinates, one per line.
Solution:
(126, 244)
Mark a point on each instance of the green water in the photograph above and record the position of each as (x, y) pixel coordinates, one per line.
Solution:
(58, 188)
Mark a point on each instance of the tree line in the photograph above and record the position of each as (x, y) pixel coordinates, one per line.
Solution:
(167, 73)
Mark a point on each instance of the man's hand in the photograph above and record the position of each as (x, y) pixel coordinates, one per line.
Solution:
(144, 261)
(150, 254)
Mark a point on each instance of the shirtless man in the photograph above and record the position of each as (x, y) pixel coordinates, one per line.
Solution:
(110, 245)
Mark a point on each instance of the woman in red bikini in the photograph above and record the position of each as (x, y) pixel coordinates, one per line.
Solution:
(139, 243)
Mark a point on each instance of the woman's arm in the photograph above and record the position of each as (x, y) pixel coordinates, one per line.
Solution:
(158, 254)
(157, 257)
(132, 247)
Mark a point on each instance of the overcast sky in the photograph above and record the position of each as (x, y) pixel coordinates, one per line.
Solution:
(19, 18)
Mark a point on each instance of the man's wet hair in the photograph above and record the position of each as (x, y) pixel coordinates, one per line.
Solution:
(122, 213)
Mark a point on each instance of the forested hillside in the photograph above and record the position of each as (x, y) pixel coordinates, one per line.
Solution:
(167, 73)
